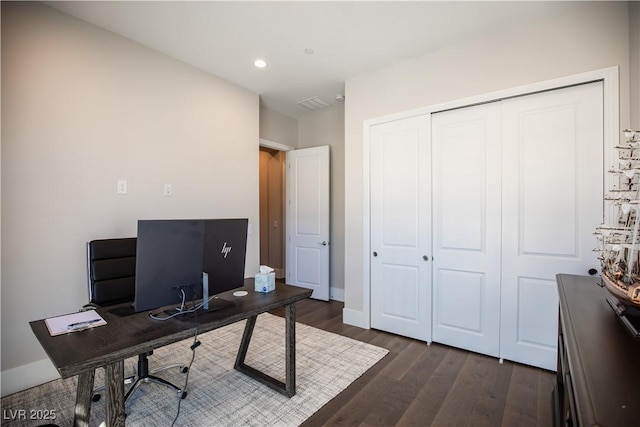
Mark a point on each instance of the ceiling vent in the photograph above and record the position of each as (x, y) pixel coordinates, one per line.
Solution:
(314, 104)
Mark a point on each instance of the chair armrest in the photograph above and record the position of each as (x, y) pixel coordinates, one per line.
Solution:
(89, 306)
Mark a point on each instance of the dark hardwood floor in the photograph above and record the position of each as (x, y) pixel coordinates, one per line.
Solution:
(429, 385)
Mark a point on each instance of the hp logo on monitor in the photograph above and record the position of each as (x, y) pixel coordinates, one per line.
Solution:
(225, 249)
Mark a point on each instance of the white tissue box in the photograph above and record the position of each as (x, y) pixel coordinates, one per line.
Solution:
(265, 282)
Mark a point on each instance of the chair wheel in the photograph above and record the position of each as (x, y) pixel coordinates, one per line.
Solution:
(185, 369)
(96, 397)
(183, 395)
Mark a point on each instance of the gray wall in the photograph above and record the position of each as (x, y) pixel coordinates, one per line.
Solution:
(81, 109)
(277, 127)
(326, 127)
(323, 127)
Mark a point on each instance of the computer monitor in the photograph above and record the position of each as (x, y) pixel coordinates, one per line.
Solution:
(224, 255)
(172, 256)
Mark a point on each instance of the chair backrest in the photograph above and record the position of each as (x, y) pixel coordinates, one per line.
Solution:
(111, 270)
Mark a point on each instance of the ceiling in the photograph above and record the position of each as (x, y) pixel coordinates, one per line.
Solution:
(347, 39)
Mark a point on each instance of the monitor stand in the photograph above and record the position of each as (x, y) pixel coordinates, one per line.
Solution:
(208, 303)
(215, 305)
(205, 291)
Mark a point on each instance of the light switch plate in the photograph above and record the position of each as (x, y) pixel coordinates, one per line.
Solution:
(122, 186)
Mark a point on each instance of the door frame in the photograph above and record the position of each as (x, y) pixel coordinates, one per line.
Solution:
(286, 205)
(611, 88)
(275, 145)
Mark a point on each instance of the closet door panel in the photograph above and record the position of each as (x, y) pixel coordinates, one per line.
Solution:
(466, 197)
(552, 202)
(534, 323)
(400, 227)
(548, 179)
(470, 286)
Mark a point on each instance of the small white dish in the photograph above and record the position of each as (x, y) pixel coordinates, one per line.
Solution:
(240, 293)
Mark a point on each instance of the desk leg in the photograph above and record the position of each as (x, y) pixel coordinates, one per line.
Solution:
(288, 388)
(83, 399)
(290, 352)
(114, 379)
(244, 344)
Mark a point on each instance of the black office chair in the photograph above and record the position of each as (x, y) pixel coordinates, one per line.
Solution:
(111, 270)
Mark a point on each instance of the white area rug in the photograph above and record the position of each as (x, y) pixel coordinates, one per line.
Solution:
(218, 395)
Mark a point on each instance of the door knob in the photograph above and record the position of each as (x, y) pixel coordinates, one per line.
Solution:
(426, 258)
(323, 243)
(375, 254)
(593, 271)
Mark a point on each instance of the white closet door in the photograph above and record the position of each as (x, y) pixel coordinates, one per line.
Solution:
(400, 227)
(552, 202)
(467, 227)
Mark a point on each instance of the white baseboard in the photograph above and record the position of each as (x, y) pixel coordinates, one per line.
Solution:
(336, 294)
(27, 376)
(355, 318)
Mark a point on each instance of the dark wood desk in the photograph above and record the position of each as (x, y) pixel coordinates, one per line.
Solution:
(598, 377)
(80, 353)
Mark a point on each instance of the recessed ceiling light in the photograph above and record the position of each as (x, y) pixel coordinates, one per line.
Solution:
(260, 63)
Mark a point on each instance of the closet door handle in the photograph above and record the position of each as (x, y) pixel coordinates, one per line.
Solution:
(426, 258)
(375, 254)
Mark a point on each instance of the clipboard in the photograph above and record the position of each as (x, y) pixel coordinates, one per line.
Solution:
(74, 322)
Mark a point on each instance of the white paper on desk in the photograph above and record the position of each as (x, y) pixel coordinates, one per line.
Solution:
(60, 325)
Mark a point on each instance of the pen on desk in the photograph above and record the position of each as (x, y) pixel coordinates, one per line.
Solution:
(82, 324)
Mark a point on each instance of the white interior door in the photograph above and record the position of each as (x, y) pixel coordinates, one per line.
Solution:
(400, 238)
(552, 202)
(467, 227)
(307, 246)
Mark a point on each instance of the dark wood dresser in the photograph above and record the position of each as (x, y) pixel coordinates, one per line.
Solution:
(598, 360)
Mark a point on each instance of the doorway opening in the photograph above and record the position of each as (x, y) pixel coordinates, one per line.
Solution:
(272, 209)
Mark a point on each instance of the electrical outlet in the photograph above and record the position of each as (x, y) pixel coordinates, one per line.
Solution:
(167, 190)
(122, 186)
